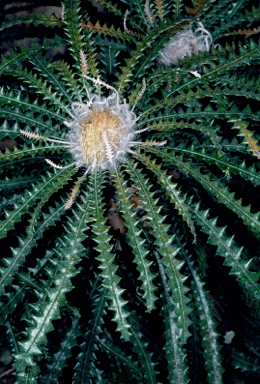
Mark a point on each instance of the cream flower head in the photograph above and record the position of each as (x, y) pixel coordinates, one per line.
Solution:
(101, 132)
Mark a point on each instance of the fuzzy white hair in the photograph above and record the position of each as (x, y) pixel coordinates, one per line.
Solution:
(185, 44)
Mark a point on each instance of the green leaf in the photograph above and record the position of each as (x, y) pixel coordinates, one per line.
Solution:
(136, 241)
(60, 359)
(49, 184)
(166, 249)
(180, 202)
(85, 368)
(16, 99)
(177, 366)
(106, 257)
(227, 248)
(245, 362)
(34, 150)
(47, 309)
(42, 19)
(207, 327)
(11, 265)
(148, 366)
(223, 161)
(219, 190)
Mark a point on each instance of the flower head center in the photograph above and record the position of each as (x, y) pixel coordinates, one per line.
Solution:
(100, 133)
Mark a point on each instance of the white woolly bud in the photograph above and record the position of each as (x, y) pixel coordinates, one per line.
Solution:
(185, 44)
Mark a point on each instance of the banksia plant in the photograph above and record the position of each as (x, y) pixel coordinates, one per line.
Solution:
(129, 209)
